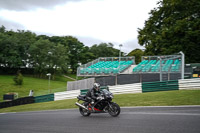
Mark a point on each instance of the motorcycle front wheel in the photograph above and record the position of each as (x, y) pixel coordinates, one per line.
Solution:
(84, 112)
(114, 109)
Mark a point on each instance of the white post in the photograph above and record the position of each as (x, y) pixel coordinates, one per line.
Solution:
(49, 74)
(31, 93)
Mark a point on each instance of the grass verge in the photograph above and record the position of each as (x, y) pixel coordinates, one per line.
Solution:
(165, 98)
(40, 86)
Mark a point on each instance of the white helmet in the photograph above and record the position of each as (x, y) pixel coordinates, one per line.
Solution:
(96, 86)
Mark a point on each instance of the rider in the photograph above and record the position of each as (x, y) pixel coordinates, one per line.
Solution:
(93, 93)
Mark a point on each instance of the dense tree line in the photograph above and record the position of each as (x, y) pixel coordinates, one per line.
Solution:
(172, 27)
(43, 54)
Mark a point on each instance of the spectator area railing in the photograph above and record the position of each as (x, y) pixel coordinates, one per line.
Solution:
(156, 64)
(106, 66)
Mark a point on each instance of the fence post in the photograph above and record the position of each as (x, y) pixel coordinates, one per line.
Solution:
(160, 69)
(116, 79)
(183, 66)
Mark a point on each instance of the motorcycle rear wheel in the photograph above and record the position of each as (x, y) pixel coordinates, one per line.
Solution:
(84, 112)
(114, 110)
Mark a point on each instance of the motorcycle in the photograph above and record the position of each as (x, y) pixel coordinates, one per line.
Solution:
(103, 104)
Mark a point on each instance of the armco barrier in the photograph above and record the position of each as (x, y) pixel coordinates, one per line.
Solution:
(19, 101)
(66, 95)
(185, 84)
(117, 89)
(24, 100)
(44, 98)
(83, 92)
(6, 104)
(160, 86)
(127, 88)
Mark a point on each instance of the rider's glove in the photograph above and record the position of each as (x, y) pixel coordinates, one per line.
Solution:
(98, 98)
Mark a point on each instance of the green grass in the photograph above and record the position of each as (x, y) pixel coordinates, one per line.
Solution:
(62, 104)
(62, 78)
(164, 98)
(74, 76)
(40, 86)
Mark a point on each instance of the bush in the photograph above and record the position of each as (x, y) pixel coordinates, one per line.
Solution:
(18, 79)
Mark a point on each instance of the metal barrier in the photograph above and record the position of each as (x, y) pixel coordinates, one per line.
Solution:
(127, 88)
(117, 89)
(19, 101)
(137, 88)
(160, 86)
(44, 98)
(185, 84)
(66, 95)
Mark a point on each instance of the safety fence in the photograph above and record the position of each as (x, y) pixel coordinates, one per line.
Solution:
(27, 100)
(160, 86)
(117, 89)
(185, 84)
(127, 88)
(44, 98)
(16, 102)
(66, 95)
(144, 87)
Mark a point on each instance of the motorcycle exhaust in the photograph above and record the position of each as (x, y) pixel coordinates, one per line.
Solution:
(82, 106)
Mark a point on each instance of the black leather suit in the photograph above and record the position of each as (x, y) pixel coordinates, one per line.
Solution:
(92, 93)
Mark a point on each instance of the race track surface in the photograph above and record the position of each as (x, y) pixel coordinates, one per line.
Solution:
(181, 119)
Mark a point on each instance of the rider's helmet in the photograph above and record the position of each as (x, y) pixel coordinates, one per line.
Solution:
(96, 86)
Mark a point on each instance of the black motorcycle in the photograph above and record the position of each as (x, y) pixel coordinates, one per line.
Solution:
(103, 104)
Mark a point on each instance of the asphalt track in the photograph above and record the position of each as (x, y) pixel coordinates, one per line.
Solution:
(181, 119)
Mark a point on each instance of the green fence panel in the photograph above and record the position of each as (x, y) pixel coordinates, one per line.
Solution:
(44, 98)
(160, 86)
(84, 91)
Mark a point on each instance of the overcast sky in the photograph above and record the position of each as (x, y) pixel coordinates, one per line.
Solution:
(91, 21)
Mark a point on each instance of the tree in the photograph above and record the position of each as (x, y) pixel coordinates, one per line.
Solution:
(76, 48)
(18, 79)
(9, 47)
(25, 40)
(58, 59)
(172, 27)
(24, 49)
(86, 56)
(40, 53)
(2, 29)
(46, 56)
(104, 50)
(76, 51)
(138, 53)
(14, 47)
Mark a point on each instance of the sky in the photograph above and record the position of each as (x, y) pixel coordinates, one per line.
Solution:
(91, 21)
